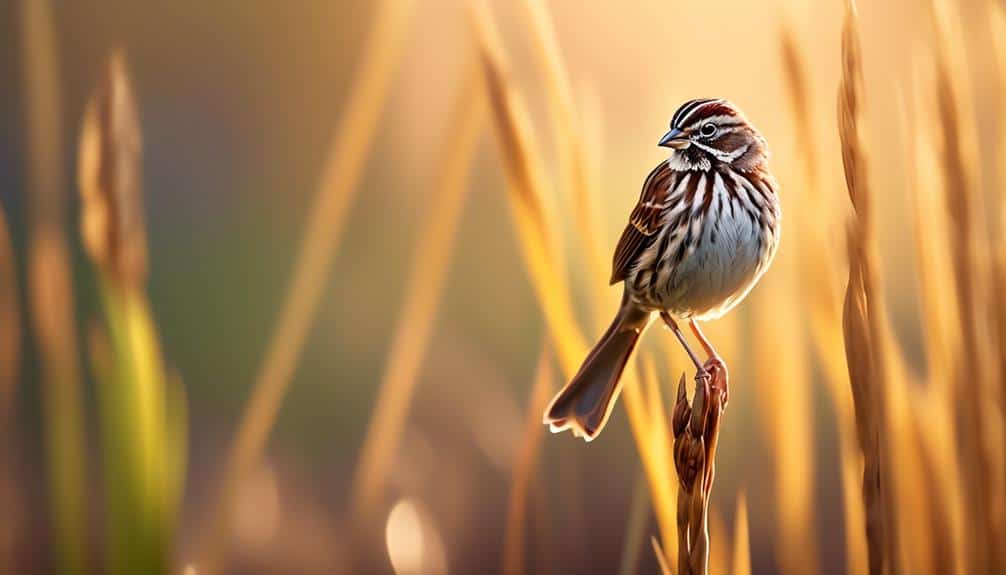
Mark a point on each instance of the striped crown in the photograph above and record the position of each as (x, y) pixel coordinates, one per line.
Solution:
(693, 112)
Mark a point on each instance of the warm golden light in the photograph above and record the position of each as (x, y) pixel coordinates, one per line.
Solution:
(279, 313)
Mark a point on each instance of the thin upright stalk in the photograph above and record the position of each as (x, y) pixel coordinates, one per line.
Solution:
(10, 364)
(862, 313)
(973, 370)
(50, 286)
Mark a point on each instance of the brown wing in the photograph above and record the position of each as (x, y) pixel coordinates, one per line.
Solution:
(644, 221)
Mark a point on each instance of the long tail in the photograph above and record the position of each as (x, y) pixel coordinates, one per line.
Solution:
(585, 403)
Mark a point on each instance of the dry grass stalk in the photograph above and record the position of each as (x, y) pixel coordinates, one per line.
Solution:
(921, 428)
(527, 192)
(787, 414)
(571, 153)
(696, 427)
(719, 554)
(10, 336)
(933, 259)
(997, 23)
(651, 434)
(860, 322)
(969, 265)
(936, 445)
(928, 542)
(793, 408)
(662, 561)
(336, 191)
(10, 321)
(907, 491)
(50, 285)
(524, 469)
(426, 279)
(997, 20)
(10, 357)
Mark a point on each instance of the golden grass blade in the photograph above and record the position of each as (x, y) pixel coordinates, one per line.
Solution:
(658, 464)
(336, 191)
(571, 156)
(742, 538)
(997, 22)
(719, 549)
(660, 433)
(934, 439)
(825, 317)
(524, 469)
(527, 189)
(826, 327)
(935, 270)
(662, 560)
(50, 286)
(924, 499)
(936, 443)
(425, 284)
(788, 414)
(970, 263)
(591, 137)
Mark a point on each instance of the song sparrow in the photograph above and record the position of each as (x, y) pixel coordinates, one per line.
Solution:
(704, 230)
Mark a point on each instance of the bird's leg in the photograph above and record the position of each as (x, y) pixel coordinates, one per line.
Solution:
(714, 364)
(701, 371)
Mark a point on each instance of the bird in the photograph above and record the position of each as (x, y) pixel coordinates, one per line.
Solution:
(705, 229)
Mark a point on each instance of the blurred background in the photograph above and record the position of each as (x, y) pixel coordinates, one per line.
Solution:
(241, 107)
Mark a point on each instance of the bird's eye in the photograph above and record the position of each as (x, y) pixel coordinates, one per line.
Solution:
(708, 130)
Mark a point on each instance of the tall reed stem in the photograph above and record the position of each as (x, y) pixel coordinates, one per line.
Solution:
(50, 287)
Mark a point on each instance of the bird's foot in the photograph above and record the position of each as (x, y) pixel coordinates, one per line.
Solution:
(716, 369)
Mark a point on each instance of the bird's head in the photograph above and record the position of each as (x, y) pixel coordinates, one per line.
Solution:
(706, 132)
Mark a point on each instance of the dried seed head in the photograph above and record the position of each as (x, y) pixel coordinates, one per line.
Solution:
(112, 222)
(700, 405)
(682, 411)
(689, 460)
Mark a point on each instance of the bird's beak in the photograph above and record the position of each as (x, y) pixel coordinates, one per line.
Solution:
(676, 139)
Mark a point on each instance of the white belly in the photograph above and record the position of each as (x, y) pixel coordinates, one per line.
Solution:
(733, 252)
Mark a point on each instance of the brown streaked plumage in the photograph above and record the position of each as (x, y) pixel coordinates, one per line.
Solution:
(704, 230)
